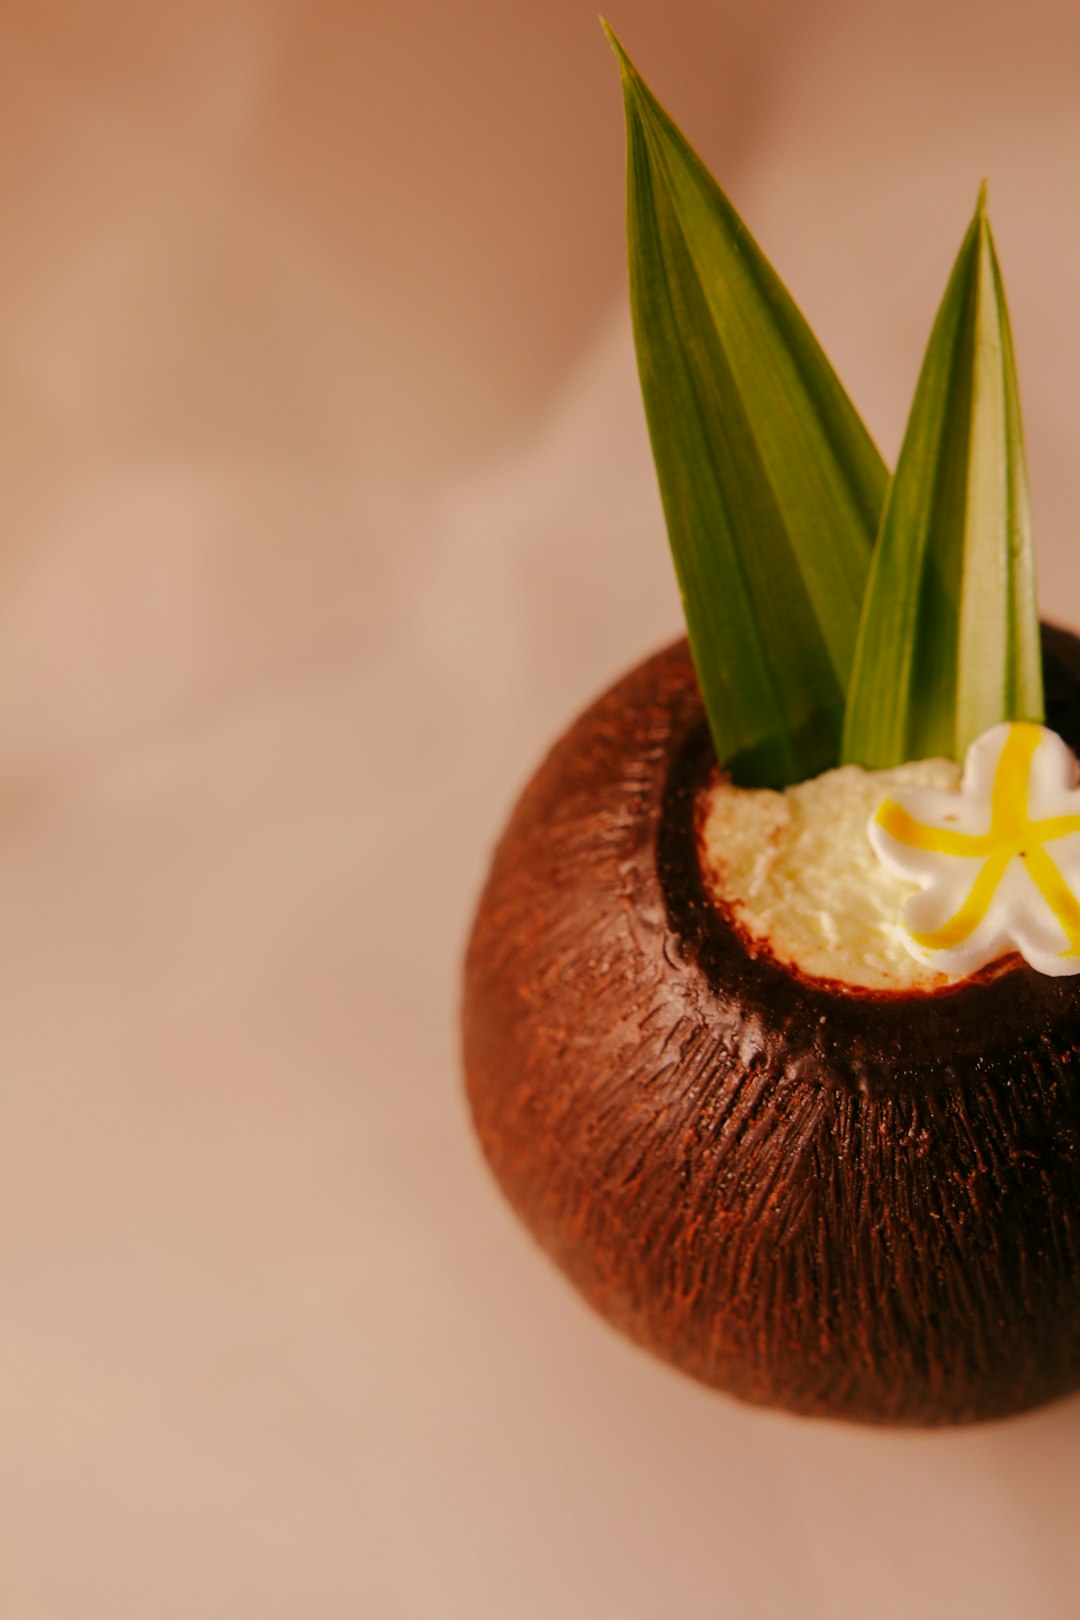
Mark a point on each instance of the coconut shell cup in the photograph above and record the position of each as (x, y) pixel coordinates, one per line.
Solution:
(847, 1204)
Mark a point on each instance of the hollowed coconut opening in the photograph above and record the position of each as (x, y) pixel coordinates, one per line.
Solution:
(795, 872)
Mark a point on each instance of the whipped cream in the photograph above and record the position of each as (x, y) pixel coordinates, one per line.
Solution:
(997, 863)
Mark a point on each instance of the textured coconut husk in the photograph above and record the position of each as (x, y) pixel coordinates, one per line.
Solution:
(846, 1204)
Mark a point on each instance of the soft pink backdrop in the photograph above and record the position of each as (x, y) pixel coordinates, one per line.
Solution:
(327, 502)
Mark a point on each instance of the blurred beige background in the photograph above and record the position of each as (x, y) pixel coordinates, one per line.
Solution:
(327, 502)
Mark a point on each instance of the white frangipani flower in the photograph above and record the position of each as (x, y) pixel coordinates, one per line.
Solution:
(998, 864)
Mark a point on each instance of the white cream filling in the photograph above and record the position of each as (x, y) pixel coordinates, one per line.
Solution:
(797, 873)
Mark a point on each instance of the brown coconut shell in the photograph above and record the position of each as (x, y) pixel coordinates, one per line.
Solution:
(847, 1204)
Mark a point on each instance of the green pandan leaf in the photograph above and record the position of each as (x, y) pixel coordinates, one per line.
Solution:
(771, 486)
(949, 641)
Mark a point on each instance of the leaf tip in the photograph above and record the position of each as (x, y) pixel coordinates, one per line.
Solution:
(980, 206)
(626, 67)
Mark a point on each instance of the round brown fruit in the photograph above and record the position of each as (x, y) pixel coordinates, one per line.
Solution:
(852, 1205)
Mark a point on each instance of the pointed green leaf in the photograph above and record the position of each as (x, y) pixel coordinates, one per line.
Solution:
(949, 642)
(771, 486)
